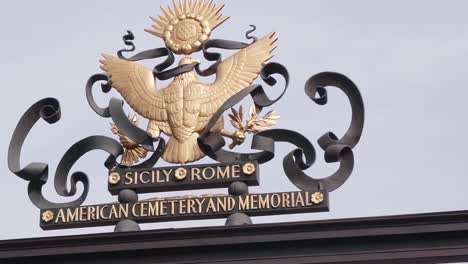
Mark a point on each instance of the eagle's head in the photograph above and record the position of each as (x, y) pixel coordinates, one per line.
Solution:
(187, 77)
(188, 60)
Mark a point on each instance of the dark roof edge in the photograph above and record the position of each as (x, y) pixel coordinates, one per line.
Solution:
(448, 226)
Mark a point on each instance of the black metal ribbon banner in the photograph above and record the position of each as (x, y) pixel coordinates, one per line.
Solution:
(302, 157)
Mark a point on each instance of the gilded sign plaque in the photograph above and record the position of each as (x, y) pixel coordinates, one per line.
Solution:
(184, 208)
(183, 178)
(185, 123)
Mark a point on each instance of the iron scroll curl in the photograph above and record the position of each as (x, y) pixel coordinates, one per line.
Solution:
(222, 44)
(36, 173)
(336, 149)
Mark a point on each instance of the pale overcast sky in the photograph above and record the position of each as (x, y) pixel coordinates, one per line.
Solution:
(409, 59)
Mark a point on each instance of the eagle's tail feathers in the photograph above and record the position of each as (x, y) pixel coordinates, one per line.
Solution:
(133, 155)
(182, 152)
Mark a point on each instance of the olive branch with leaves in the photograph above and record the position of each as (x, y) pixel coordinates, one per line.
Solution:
(254, 123)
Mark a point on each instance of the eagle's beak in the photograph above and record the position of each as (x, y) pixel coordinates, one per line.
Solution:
(197, 61)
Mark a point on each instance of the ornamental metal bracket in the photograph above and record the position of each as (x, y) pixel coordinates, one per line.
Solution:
(185, 124)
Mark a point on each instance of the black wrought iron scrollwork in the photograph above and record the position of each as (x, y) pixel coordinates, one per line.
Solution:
(211, 143)
(105, 87)
(115, 111)
(160, 70)
(303, 157)
(221, 44)
(36, 173)
(336, 149)
(128, 41)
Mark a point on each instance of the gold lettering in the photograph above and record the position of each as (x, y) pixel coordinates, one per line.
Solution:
(144, 209)
(82, 214)
(153, 176)
(195, 173)
(163, 208)
(231, 203)
(243, 202)
(236, 171)
(277, 203)
(123, 210)
(200, 204)
(172, 206)
(162, 179)
(101, 212)
(142, 177)
(222, 172)
(300, 200)
(113, 212)
(221, 203)
(72, 216)
(264, 201)
(191, 206)
(91, 213)
(253, 201)
(211, 175)
(286, 200)
(153, 208)
(134, 210)
(211, 206)
(182, 206)
(60, 216)
(128, 178)
(308, 199)
(167, 174)
(97, 212)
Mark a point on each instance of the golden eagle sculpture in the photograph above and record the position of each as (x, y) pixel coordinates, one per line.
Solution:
(183, 108)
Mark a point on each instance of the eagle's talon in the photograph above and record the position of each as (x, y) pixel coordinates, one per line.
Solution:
(238, 137)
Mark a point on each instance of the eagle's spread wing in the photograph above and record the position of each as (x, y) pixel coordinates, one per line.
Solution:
(234, 74)
(136, 84)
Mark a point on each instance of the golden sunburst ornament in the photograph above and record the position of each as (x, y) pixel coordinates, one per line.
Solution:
(187, 25)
